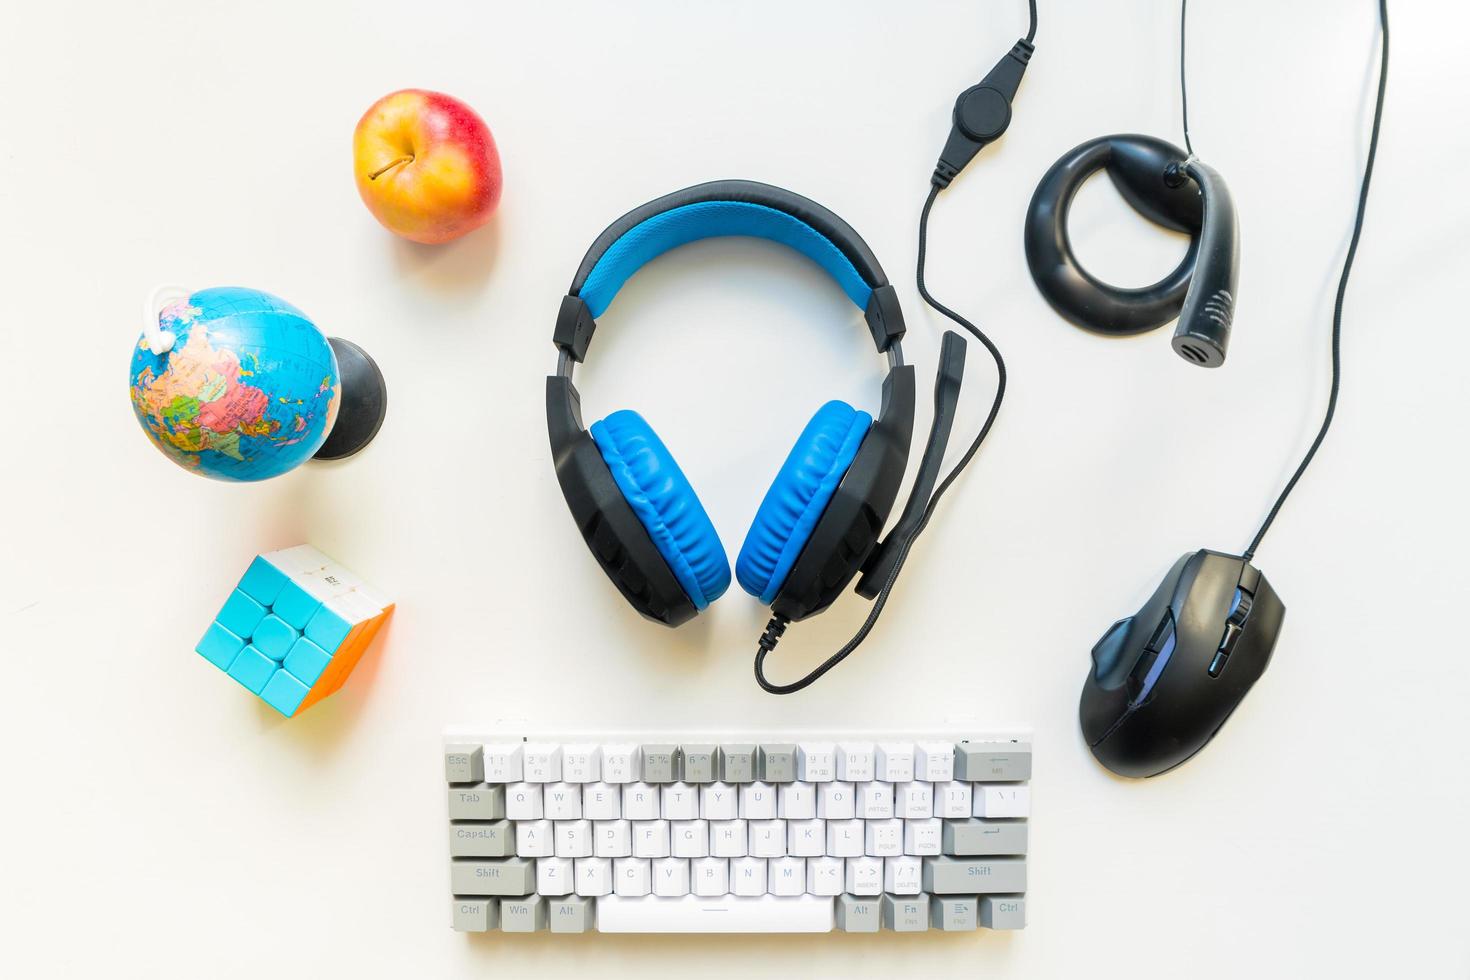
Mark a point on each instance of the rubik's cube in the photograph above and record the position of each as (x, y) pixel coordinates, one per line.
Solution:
(294, 628)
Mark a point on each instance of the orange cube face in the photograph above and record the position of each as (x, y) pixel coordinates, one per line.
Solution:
(294, 628)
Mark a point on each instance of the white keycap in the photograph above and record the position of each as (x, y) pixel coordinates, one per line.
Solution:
(724, 914)
(542, 762)
(720, 801)
(757, 801)
(563, 801)
(593, 876)
(856, 761)
(796, 801)
(901, 875)
(632, 877)
(786, 876)
(816, 762)
(709, 877)
(824, 876)
(534, 839)
(875, 801)
(913, 801)
(689, 838)
(612, 839)
(884, 838)
(573, 838)
(581, 762)
(923, 837)
(845, 838)
(934, 762)
(952, 801)
(748, 876)
(650, 838)
(640, 802)
(604, 801)
(503, 762)
(864, 876)
(1005, 800)
(806, 838)
(836, 801)
(523, 801)
(680, 801)
(729, 838)
(553, 876)
(670, 877)
(621, 762)
(896, 762)
(767, 838)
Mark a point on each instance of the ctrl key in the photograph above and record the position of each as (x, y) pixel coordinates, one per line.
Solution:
(475, 914)
(1003, 911)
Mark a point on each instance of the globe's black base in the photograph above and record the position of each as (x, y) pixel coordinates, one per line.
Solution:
(364, 402)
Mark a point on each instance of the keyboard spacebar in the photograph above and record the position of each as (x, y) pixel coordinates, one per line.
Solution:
(729, 913)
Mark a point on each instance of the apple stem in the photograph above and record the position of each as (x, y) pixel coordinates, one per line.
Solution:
(384, 169)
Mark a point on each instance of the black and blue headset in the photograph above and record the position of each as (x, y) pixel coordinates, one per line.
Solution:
(820, 522)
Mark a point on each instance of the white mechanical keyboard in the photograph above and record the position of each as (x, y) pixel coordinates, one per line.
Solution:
(746, 832)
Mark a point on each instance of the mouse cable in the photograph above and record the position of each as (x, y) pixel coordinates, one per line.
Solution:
(1347, 268)
(777, 625)
(1183, 87)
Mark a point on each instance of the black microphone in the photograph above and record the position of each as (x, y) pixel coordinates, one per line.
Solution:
(884, 561)
(1202, 334)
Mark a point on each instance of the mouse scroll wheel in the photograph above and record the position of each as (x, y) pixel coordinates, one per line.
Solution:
(1240, 609)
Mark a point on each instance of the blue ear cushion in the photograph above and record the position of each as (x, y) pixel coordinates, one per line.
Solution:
(661, 496)
(798, 496)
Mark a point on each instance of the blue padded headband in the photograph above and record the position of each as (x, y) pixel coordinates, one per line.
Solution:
(658, 234)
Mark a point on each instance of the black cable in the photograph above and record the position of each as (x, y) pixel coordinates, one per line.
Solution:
(1184, 88)
(1347, 268)
(777, 624)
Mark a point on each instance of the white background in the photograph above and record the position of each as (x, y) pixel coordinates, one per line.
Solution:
(159, 821)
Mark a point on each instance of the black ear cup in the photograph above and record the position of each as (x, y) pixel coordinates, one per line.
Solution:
(613, 532)
(848, 529)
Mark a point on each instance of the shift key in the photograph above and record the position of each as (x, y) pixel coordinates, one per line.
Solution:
(512, 876)
(974, 876)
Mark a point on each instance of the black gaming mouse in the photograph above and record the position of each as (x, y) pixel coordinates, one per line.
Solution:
(1164, 681)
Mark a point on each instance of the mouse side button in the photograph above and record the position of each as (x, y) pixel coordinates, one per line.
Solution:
(1107, 654)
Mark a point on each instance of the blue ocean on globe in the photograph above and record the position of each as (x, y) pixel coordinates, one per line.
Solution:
(249, 391)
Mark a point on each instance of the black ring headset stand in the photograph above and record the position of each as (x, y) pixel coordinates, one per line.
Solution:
(1170, 188)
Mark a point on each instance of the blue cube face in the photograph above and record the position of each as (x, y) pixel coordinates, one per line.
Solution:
(241, 614)
(262, 581)
(327, 630)
(219, 646)
(284, 692)
(295, 605)
(281, 627)
(252, 669)
(306, 661)
(274, 637)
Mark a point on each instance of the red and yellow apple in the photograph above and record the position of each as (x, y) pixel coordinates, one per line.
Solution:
(426, 165)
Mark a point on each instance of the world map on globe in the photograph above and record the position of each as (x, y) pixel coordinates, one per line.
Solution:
(249, 390)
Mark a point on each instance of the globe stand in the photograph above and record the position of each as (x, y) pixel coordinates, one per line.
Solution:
(364, 402)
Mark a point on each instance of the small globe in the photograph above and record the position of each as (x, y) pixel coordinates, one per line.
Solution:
(249, 390)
